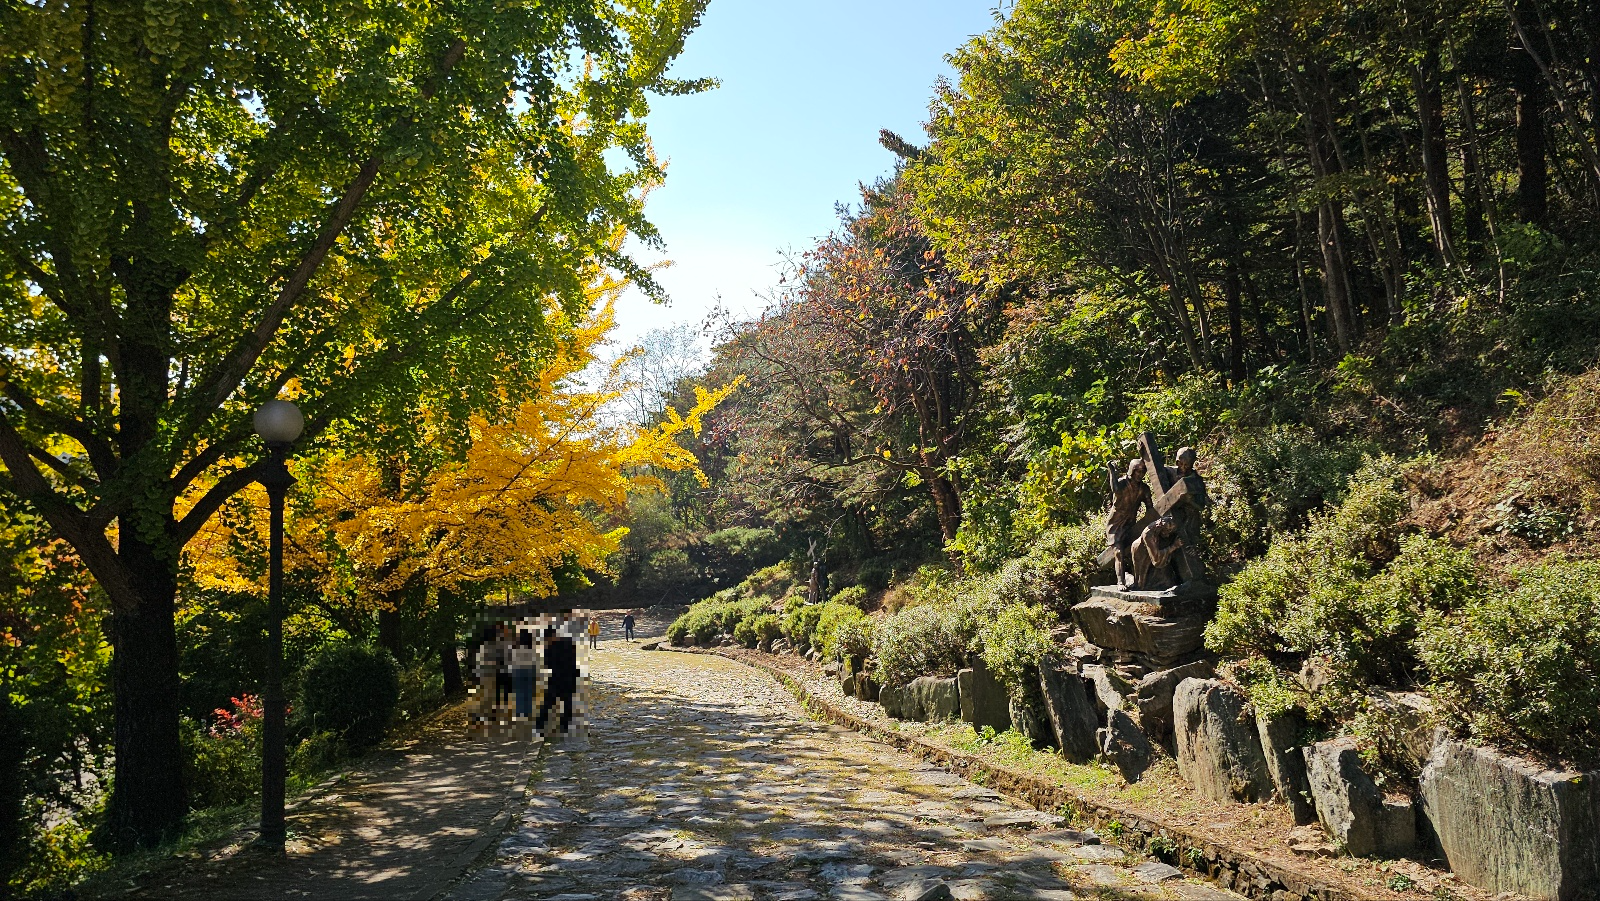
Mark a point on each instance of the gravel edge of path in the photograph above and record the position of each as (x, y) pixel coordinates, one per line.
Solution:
(1231, 868)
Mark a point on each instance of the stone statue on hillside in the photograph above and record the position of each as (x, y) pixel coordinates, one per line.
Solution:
(1173, 497)
(1152, 552)
(1130, 507)
(1188, 492)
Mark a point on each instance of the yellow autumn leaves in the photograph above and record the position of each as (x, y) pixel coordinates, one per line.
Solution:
(535, 492)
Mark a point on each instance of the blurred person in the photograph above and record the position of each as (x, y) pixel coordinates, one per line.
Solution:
(561, 674)
(524, 672)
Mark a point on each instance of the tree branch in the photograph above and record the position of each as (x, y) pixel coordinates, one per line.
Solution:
(69, 522)
(215, 388)
(212, 501)
(101, 455)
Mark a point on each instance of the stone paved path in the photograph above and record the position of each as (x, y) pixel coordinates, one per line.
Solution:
(703, 779)
(399, 827)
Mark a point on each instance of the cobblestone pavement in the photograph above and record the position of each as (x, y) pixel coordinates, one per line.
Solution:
(704, 779)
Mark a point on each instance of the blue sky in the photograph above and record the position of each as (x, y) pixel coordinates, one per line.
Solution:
(757, 165)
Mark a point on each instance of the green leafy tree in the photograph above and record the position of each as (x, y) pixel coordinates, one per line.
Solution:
(205, 203)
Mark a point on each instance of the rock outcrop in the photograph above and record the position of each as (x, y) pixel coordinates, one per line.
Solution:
(983, 698)
(1219, 750)
(1124, 745)
(1111, 691)
(1155, 638)
(1028, 717)
(1071, 713)
(1153, 698)
(1350, 805)
(930, 699)
(1509, 825)
(1280, 741)
(890, 697)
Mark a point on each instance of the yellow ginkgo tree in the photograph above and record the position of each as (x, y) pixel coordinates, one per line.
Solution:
(532, 493)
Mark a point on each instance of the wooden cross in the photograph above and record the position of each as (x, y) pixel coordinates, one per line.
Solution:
(1166, 492)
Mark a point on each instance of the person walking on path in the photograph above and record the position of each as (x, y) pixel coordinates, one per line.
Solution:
(627, 626)
(561, 661)
(524, 671)
(488, 672)
(594, 632)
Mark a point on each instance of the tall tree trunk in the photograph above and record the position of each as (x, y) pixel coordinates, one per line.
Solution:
(947, 504)
(1230, 292)
(1307, 314)
(1269, 345)
(1335, 278)
(1435, 157)
(147, 801)
(1533, 176)
(389, 624)
(450, 669)
(1591, 69)
(1335, 261)
(1475, 193)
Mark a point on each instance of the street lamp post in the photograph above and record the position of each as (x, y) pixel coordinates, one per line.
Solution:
(279, 423)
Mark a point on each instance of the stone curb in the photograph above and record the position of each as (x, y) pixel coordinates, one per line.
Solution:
(465, 860)
(1229, 867)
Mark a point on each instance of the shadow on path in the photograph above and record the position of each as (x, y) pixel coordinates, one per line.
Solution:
(401, 826)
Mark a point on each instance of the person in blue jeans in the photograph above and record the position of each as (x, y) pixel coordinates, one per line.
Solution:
(524, 673)
(627, 626)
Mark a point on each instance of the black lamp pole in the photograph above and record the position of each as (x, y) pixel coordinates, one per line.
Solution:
(278, 423)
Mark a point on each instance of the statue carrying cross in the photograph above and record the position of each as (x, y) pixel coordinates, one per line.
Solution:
(1179, 493)
(1161, 549)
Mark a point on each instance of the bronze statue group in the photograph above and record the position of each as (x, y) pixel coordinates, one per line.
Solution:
(1153, 535)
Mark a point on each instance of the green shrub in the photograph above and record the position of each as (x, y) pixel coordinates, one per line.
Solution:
(1326, 591)
(753, 630)
(834, 618)
(1056, 571)
(875, 574)
(730, 551)
(800, 624)
(1522, 668)
(1264, 482)
(667, 569)
(316, 752)
(1013, 642)
(855, 595)
(352, 690)
(853, 637)
(917, 641)
(222, 762)
(1271, 691)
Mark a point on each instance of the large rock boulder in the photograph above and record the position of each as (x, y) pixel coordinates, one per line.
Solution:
(1111, 691)
(890, 696)
(866, 687)
(983, 699)
(1152, 695)
(1157, 640)
(1066, 703)
(931, 699)
(1219, 750)
(1280, 741)
(1027, 717)
(1124, 745)
(1350, 805)
(1506, 824)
